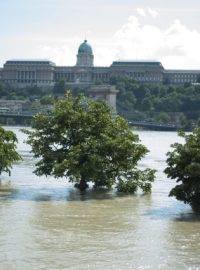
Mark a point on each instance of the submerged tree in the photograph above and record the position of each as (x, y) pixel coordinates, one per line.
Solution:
(8, 153)
(81, 140)
(184, 166)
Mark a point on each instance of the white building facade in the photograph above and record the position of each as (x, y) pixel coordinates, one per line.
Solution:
(44, 73)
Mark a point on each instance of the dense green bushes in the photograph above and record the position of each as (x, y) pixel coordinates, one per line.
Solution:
(184, 166)
(155, 102)
(136, 101)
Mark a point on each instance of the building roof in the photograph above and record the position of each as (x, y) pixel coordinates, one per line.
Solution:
(85, 48)
(136, 62)
(30, 61)
(174, 71)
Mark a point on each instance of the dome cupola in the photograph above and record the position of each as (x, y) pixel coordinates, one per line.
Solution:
(85, 48)
(85, 55)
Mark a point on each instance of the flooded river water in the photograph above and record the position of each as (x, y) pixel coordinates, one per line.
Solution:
(47, 224)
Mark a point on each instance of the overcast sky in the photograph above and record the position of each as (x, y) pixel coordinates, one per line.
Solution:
(168, 31)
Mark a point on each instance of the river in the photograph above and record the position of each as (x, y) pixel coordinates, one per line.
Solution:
(47, 224)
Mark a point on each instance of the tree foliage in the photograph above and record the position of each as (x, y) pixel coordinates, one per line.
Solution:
(8, 153)
(184, 166)
(81, 140)
(59, 87)
(135, 100)
(152, 99)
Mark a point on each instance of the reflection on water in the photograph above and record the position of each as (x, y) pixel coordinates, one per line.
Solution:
(47, 224)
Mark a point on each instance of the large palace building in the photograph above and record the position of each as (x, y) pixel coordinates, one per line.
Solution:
(44, 73)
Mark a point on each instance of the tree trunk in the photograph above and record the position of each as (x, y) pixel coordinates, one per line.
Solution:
(83, 184)
(196, 206)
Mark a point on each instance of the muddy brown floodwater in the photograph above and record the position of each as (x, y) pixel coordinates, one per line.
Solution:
(47, 224)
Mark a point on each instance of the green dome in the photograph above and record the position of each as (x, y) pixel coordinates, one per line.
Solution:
(85, 48)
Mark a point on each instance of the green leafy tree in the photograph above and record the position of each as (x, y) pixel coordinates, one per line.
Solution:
(59, 87)
(184, 166)
(146, 104)
(198, 78)
(8, 153)
(198, 122)
(45, 100)
(163, 117)
(98, 82)
(81, 140)
(34, 90)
